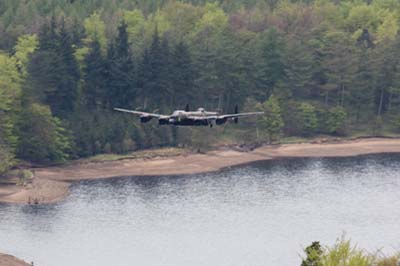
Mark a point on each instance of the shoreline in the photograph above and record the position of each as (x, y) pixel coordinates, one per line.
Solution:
(51, 184)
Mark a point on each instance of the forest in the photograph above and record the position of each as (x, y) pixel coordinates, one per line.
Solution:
(316, 67)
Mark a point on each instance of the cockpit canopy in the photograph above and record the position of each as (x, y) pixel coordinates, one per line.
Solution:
(178, 113)
(201, 110)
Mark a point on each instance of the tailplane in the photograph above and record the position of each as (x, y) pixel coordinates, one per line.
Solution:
(236, 119)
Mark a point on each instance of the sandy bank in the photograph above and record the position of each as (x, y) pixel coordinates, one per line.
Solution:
(8, 260)
(51, 183)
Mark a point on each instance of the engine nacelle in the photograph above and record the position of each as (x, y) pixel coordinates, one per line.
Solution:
(220, 121)
(163, 121)
(145, 118)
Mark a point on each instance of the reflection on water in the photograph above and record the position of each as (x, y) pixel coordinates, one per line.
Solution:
(263, 214)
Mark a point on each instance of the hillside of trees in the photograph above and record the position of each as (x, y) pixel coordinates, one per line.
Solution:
(315, 67)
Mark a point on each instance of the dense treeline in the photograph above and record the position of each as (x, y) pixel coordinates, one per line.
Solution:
(315, 67)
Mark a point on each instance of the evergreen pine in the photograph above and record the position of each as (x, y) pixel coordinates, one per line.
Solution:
(271, 69)
(121, 72)
(94, 81)
(183, 75)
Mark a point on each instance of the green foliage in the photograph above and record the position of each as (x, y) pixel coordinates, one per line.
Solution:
(136, 29)
(213, 22)
(182, 75)
(201, 138)
(120, 70)
(10, 90)
(271, 63)
(94, 82)
(307, 118)
(335, 121)
(43, 139)
(53, 72)
(24, 176)
(377, 126)
(344, 254)
(6, 159)
(272, 121)
(396, 123)
(95, 31)
(333, 66)
(25, 46)
(314, 253)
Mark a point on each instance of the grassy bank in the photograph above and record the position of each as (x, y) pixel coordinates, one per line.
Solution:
(344, 253)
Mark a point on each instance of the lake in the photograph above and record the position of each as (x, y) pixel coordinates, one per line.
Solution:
(261, 214)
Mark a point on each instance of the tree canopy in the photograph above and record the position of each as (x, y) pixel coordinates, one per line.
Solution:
(315, 67)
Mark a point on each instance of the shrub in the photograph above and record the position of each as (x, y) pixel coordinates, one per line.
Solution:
(6, 160)
(43, 139)
(335, 120)
(314, 253)
(307, 118)
(344, 254)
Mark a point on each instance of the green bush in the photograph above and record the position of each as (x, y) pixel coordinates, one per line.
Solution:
(396, 123)
(343, 253)
(43, 139)
(6, 160)
(272, 119)
(335, 120)
(314, 253)
(307, 117)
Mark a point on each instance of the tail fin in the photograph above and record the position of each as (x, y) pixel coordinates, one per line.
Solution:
(187, 108)
(236, 119)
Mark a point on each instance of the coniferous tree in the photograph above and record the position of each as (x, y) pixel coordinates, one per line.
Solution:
(228, 72)
(363, 85)
(166, 73)
(121, 72)
(183, 76)
(271, 69)
(43, 66)
(94, 81)
(155, 62)
(299, 69)
(339, 66)
(144, 73)
(53, 71)
(67, 85)
(156, 73)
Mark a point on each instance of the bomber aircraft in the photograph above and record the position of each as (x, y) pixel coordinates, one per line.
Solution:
(201, 117)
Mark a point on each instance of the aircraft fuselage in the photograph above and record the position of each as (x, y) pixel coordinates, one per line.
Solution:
(185, 117)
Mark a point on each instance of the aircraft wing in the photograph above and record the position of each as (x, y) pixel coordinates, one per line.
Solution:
(139, 113)
(227, 116)
(239, 115)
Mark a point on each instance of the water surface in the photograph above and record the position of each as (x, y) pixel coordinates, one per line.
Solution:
(261, 214)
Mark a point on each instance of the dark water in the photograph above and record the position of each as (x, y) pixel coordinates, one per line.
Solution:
(263, 214)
